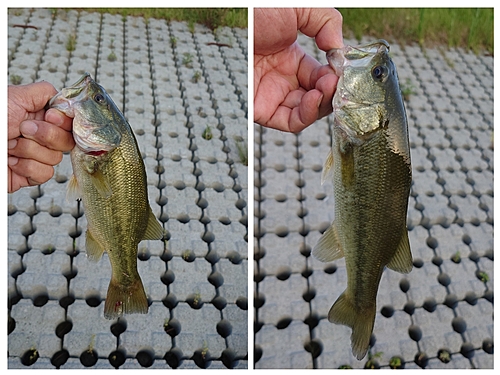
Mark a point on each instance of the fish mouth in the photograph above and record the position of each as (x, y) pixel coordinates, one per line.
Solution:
(359, 56)
(355, 57)
(65, 99)
(93, 139)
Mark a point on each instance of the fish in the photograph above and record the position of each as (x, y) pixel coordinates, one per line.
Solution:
(370, 166)
(110, 179)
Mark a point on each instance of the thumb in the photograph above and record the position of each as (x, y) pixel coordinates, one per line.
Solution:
(323, 24)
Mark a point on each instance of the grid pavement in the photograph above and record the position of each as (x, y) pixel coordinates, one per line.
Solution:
(441, 314)
(172, 84)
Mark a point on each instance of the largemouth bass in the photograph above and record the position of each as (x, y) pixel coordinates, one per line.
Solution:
(371, 166)
(110, 178)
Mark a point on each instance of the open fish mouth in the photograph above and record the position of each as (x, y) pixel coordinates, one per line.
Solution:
(64, 100)
(94, 133)
(359, 56)
(80, 84)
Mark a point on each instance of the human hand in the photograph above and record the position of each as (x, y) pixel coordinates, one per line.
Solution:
(36, 138)
(291, 88)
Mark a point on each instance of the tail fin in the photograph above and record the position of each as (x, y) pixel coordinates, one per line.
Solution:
(344, 312)
(127, 299)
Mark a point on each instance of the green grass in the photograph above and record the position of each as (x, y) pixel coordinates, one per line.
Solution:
(187, 60)
(207, 133)
(210, 17)
(407, 89)
(71, 43)
(468, 28)
(242, 149)
(112, 56)
(15, 79)
(483, 276)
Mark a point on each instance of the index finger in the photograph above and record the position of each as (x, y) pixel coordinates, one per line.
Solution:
(35, 96)
(48, 135)
(58, 118)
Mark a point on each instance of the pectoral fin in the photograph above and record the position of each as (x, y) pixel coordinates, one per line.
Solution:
(93, 248)
(327, 168)
(402, 260)
(73, 192)
(101, 184)
(328, 247)
(154, 230)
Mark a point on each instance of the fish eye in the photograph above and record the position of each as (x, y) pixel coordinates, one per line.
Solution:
(99, 99)
(379, 72)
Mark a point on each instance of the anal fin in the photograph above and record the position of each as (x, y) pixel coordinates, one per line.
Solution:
(154, 231)
(402, 260)
(328, 247)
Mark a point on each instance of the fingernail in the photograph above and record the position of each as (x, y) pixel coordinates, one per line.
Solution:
(320, 100)
(12, 143)
(12, 160)
(28, 128)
